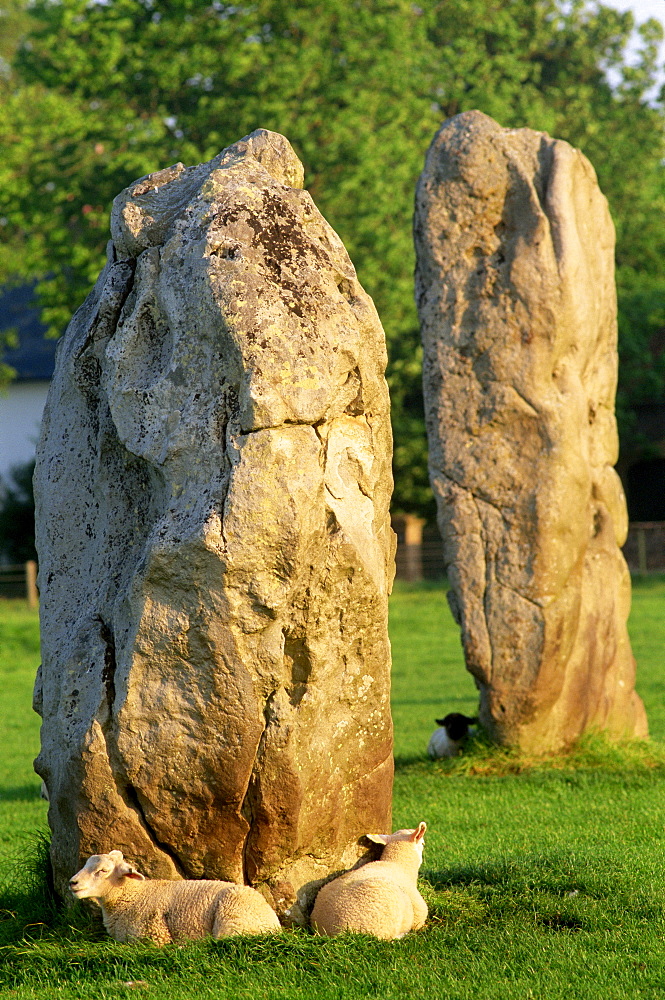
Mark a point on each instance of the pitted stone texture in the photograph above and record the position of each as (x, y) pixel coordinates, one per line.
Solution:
(515, 291)
(213, 483)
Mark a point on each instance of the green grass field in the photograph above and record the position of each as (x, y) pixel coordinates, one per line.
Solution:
(543, 881)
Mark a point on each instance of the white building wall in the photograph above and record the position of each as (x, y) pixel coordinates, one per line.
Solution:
(21, 408)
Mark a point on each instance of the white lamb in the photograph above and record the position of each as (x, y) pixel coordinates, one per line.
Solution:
(136, 908)
(380, 898)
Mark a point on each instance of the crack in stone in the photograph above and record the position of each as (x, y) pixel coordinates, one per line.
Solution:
(474, 496)
(250, 796)
(295, 649)
(526, 401)
(131, 798)
(109, 668)
(487, 581)
(364, 776)
(278, 427)
(364, 491)
(112, 298)
(529, 600)
(125, 789)
(494, 578)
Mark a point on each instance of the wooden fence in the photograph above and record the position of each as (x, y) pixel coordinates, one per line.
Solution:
(644, 550)
(20, 581)
(420, 552)
(419, 556)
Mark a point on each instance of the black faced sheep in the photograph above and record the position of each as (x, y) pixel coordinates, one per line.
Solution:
(447, 741)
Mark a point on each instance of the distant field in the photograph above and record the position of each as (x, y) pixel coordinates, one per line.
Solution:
(545, 884)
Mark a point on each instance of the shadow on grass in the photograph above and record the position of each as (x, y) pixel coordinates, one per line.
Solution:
(404, 762)
(556, 875)
(20, 793)
(493, 893)
(28, 902)
(558, 890)
(462, 700)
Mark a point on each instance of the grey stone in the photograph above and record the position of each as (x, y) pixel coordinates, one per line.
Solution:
(213, 482)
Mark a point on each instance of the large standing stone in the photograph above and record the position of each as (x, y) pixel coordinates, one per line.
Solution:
(515, 290)
(213, 482)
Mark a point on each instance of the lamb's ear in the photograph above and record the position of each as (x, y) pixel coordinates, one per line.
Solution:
(130, 871)
(116, 857)
(419, 833)
(378, 838)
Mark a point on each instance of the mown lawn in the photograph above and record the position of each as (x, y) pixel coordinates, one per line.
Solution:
(543, 882)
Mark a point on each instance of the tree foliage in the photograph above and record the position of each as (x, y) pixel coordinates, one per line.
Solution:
(105, 91)
(17, 515)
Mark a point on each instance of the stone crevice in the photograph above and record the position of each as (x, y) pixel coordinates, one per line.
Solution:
(109, 668)
(487, 581)
(472, 494)
(527, 402)
(131, 798)
(124, 788)
(513, 590)
(115, 292)
(367, 774)
(250, 796)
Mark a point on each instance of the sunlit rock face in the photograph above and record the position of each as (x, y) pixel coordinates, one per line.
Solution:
(517, 303)
(213, 483)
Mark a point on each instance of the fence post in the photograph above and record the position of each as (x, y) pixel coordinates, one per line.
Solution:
(409, 530)
(641, 550)
(31, 583)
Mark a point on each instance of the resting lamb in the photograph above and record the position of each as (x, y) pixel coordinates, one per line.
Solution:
(136, 908)
(447, 741)
(380, 898)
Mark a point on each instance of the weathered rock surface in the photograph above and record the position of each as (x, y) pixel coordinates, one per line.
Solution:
(517, 303)
(215, 551)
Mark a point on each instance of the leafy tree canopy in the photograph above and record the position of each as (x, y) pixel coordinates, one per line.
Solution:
(17, 515)
(103, 91)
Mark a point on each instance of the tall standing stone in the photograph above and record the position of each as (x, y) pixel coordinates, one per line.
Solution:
(517, 303)
(213, 482)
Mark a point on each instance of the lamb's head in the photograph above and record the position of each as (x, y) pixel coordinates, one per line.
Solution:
(457, 725)
(414, 838)
(100, 874)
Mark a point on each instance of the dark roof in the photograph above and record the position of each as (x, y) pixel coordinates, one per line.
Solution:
(34, 358)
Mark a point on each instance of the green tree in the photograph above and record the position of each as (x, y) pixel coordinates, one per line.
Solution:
(15, 23)
(17, 515)
(106, 91)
